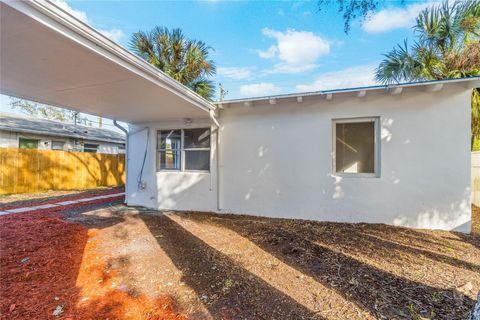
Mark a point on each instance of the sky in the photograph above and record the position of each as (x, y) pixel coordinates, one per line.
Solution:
(264, 47)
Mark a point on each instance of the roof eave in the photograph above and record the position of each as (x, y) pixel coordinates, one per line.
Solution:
(121, 55)
(346, 90)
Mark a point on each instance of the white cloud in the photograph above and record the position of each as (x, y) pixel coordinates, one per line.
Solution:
(357, 76)
(286, 68)
(394, 18)
(80, 15)
(114, 34)
(295, 49)
(269, 53)
(258, 89)
(298, 47)
(236, 73)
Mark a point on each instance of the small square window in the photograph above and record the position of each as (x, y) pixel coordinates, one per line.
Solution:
(356, 147)
(89, 147)
(58, 145)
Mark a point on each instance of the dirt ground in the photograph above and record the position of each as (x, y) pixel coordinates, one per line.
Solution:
(129, 263)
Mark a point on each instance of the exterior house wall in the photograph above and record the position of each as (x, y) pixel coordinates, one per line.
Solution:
(10, 139)
(171, 190)
(276, 160)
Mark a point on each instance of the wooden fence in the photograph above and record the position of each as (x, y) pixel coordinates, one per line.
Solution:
(24, 170)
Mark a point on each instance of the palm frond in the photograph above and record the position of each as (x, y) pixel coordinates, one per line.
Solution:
(399, 65)
(185, 60)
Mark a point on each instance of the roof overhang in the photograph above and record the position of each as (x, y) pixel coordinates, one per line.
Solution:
(51, 57)
(359, 92)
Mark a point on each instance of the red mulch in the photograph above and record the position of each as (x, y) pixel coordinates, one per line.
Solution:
(63, 198)
(47, 262)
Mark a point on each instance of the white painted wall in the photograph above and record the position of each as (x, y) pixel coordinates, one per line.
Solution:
(167, 189)
(10, 139)
(275, 160)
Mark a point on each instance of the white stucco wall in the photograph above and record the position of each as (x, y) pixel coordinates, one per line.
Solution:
(276, 160)
(166, 189)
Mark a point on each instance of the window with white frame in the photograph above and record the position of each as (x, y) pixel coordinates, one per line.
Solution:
(183, 149)
(58, 145)
(356, 147)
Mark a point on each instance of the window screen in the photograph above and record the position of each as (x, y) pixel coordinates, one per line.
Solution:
(169, 148)
(197, 149)
(355, 147)
(57, 145)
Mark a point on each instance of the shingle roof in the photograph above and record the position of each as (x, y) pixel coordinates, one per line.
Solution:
(19, 123)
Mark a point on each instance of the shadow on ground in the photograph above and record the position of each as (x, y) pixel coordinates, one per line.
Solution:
(387, 272)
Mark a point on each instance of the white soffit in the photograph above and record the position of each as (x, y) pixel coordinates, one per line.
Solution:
(48, 56)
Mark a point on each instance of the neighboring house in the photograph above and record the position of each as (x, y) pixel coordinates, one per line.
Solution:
(17, 131)
(389, 154)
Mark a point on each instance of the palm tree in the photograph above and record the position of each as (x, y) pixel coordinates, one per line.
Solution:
(183, 59)
(448, 46)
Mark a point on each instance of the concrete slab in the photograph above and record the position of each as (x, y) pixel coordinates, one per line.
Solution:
(18, 210)
(46, 206)
(60, 204)
(66, 203)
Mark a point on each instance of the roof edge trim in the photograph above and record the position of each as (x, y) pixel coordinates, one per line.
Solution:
(346, 90)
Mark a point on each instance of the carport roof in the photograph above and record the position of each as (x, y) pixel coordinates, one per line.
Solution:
(51, 57)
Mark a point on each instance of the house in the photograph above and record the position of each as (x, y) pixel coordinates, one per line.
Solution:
(17, 131)
(386, 154)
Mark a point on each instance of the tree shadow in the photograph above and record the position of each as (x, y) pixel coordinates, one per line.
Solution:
(110, 167)
(226, 289)
(384, 241)
(382, 293)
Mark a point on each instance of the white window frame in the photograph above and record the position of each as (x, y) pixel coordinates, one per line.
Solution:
(63, 145)
(377, 158)
(183, 149)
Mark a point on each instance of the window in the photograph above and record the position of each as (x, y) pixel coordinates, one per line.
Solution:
(58, 145)
(356, 150)
(27, 143)
(183, 149)
(169, 143)
(89, 147)
(197, 149)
